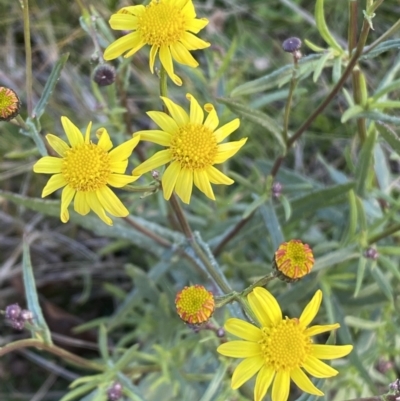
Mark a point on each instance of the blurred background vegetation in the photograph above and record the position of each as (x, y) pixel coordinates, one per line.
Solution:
(339, 195)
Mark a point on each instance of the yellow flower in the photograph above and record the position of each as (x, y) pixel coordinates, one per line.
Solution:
(165, 25)
(194, 304)
(293, 260)
(193, 148)
(85, 169)
(9, 104)
(280, 349)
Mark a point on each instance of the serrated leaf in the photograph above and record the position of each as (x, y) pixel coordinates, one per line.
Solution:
(256, 117)
(41, 329)
(323, 27)
(364, 164)
(50, 85)
(351, 112)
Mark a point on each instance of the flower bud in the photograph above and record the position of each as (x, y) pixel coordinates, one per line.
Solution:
(114, 393)
(291, 45)
(13, 312)
(104, 74)
(9, 104)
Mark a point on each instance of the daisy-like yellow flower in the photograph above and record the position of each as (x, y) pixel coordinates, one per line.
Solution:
(194, 146)
(9, 104)
(85, 170)
(168, 26)
(280, 349)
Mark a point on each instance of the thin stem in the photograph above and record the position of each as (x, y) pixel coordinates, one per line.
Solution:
(62, 353)
(288, 106)
(28, 57)
(259, 283)
(385, 233)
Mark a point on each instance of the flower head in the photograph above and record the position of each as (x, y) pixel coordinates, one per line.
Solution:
(293, 260)
(193, 147)
(85, 170)
(9, 104)
(194, 304)
(168, 26)
(280, 349)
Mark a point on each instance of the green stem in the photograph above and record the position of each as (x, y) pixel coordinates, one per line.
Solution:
(28, 57)
(293, 84)
(385, 233)
(62, 353)
(259, 283)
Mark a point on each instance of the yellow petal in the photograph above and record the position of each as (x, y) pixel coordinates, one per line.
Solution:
(169, 179)
(80, 204)
(196, 112)
(212, 120)
(57, 144)
(330, 351)
(182, 55)
(166, 61)
(75, 136)
(246, 370)
(124, 22)
(227, 150)
(263, 381)
(164, 121)
(265, 307)
(160, 158)
(48, 165)
(222, 132)
(152, 57)
(304, 383)
(202, 182)
(311, 309)
(184, 185)
(119, 167)
(317, 368)
(96, 206)
(243, 329)
(87, 133)
(156, 136)
(192, 42)
(135, 10)
(55, 182)
(119, 181)
(187, 7)
(196, 26)
(66, 198)
(240, 349)
(281, 386)
(111, 203)
(131, 41)
(124, 151)
(104, 139)
(314, 330)
(177, 112)
(216, 177)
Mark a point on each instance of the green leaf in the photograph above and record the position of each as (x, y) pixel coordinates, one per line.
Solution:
(337, 69)
(286, 206)
(383, 91)
(351, 112)
(364, 164)
(362, 263)
(79, 391)
(336, 257)
(314, 47)
(103, 343)
(320, 66)
(363, 324)
(351, 227)
(323, 28)
(380, 117)
(215, 384)
(33, 132)
(32, 298)
(392, 44)
(382, 282)
(278, 77)
(254, 206)
(256, 117)
(50, 85)
(272, 224)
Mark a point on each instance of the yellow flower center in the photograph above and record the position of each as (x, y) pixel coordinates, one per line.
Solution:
(194, 304)
(86, 167)
(162, 23)
(194, 146)
(9, 103)
(285, 346)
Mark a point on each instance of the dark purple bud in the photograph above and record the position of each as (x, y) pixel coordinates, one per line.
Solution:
(17, 324)
(13, 312)
(371, 253)
(291, 45)
(114, 393)
(104, 74)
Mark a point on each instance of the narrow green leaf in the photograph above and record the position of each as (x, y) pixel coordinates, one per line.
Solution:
(103, 343)
(336, 257)
(346, 338)
(388, 104)
(351, 227)
(314, 47)
(364, 164)
(272, 224)
(337, 69)
(78, 392)
(351, 112)
(286, 206)
(363, 324)
(215, 384)
(130, 389)
(49, 87)
(320, 66)
(383, 91)
(362, 263)
(387, 264)
(382, 282)
(126, 358)
(33, 132)
(256, 117)
(323, 28)
(277, 77)
(32, 299)
(380, 117)
(254, 206)
(392, 44)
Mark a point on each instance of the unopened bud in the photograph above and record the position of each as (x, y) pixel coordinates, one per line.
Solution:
(9, 104)
(371, 253)
(104, 74)
(114, 393)
(13, 312)
(291, 45)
